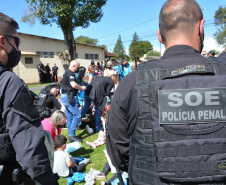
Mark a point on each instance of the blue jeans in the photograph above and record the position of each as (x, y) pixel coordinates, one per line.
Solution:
(98, 113)
(73, 114)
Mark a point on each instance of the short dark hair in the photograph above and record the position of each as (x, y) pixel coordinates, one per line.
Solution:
(179, 15)
(7, 25)
(89, 111)
(59, 141)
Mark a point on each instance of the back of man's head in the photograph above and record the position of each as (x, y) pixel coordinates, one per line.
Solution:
(54, 91)
(8, 25)
(59, 141)
(178, 17)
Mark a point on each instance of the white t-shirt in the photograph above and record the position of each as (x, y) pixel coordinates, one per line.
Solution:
(60, 165)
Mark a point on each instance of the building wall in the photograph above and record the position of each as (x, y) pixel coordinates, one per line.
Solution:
(30, 44)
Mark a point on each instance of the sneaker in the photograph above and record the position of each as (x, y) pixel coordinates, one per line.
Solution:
(89, 130)
(100, 176)
(74, 139)
(91, 145)
(86, 161)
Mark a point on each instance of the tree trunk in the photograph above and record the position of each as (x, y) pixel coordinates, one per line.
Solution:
(66, 26)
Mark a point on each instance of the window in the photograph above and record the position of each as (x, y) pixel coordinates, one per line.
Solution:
(51, 54)
(76, 55)
(45, 54)
(86, 56)
(28, 60)
(91, 56)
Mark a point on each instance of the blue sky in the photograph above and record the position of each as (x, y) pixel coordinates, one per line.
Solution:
(124, 17)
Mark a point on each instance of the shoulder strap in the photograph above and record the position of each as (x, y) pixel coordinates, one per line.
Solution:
(2, 125)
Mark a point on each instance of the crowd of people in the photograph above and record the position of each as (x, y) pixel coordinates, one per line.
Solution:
(45, 75)
(163, 123)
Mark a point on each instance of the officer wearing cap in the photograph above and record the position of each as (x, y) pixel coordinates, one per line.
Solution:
(132, 124)
(19, 119)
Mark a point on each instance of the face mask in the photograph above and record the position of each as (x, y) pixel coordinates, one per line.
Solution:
(61, 126)
(13, 57)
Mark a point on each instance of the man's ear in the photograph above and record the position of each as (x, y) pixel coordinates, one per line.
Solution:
(201, 27)
(159, 36)
(2, 41)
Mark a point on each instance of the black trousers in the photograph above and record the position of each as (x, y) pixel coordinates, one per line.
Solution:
(55, 77)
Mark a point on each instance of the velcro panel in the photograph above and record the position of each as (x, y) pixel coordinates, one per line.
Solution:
(166, 136)
(146, 179)
(191, 151)
(145, 166)
(187, 167)
(147, 124)
(144, 152)
(27, 109)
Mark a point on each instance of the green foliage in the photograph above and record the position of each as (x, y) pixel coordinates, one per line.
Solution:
(67, 14)
(106, 48)
(119, 48)
(138, 48)
(153, 53)
(86, 40)
(220, 20)
(216, 52)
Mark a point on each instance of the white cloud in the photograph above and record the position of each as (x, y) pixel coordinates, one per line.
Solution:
(211, 43)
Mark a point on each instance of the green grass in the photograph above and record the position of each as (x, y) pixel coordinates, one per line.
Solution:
(96, 156)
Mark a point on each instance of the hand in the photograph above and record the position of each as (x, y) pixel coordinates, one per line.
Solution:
(83, 88)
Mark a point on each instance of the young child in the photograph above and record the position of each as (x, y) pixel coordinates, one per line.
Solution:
(64, 164)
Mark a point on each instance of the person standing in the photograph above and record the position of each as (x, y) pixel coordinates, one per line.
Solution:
(151, 144)
(124, 68)
(109, 69)
(70, 89)
(97, 91)
(19, 119)
(55, 71)
(48, 76)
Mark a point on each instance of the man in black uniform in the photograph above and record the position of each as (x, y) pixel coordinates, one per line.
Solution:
(51, 101)
(47, 69)
(55, 72)
(69, 92)
(137, 139)
(18, 115)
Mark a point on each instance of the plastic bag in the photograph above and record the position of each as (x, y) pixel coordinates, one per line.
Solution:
(70, 181)
(71, 147)
(90, 177)
(78, 176)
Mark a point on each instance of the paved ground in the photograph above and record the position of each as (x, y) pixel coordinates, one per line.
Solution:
(37, 89)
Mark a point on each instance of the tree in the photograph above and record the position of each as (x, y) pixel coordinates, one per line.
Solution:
(220, 20)
(86, 40)
(67, 14)
(106, 48)
(138, 48)
(153, 53)
(119, 49)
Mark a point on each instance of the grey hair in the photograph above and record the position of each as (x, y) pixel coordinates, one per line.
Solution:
(57, 116)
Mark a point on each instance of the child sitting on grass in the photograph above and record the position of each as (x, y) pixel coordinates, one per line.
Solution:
(64, 164)
(101, 137)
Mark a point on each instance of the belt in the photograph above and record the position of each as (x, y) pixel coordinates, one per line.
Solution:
(66, 92)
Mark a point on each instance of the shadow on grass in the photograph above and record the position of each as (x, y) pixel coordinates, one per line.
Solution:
(82, 152)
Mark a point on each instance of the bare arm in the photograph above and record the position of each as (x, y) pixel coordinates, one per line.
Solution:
(76, 86)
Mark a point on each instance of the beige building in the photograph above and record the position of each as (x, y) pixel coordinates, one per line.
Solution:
(37, 49)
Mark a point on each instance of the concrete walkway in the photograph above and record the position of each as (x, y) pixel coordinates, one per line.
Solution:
(37, 89)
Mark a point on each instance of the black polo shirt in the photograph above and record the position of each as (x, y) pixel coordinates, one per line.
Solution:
(68, 77)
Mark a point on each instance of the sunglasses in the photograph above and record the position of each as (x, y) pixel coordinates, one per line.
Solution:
(17, 40)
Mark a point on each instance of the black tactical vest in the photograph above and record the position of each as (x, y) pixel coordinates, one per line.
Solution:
(180, 134)
(7, 152)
